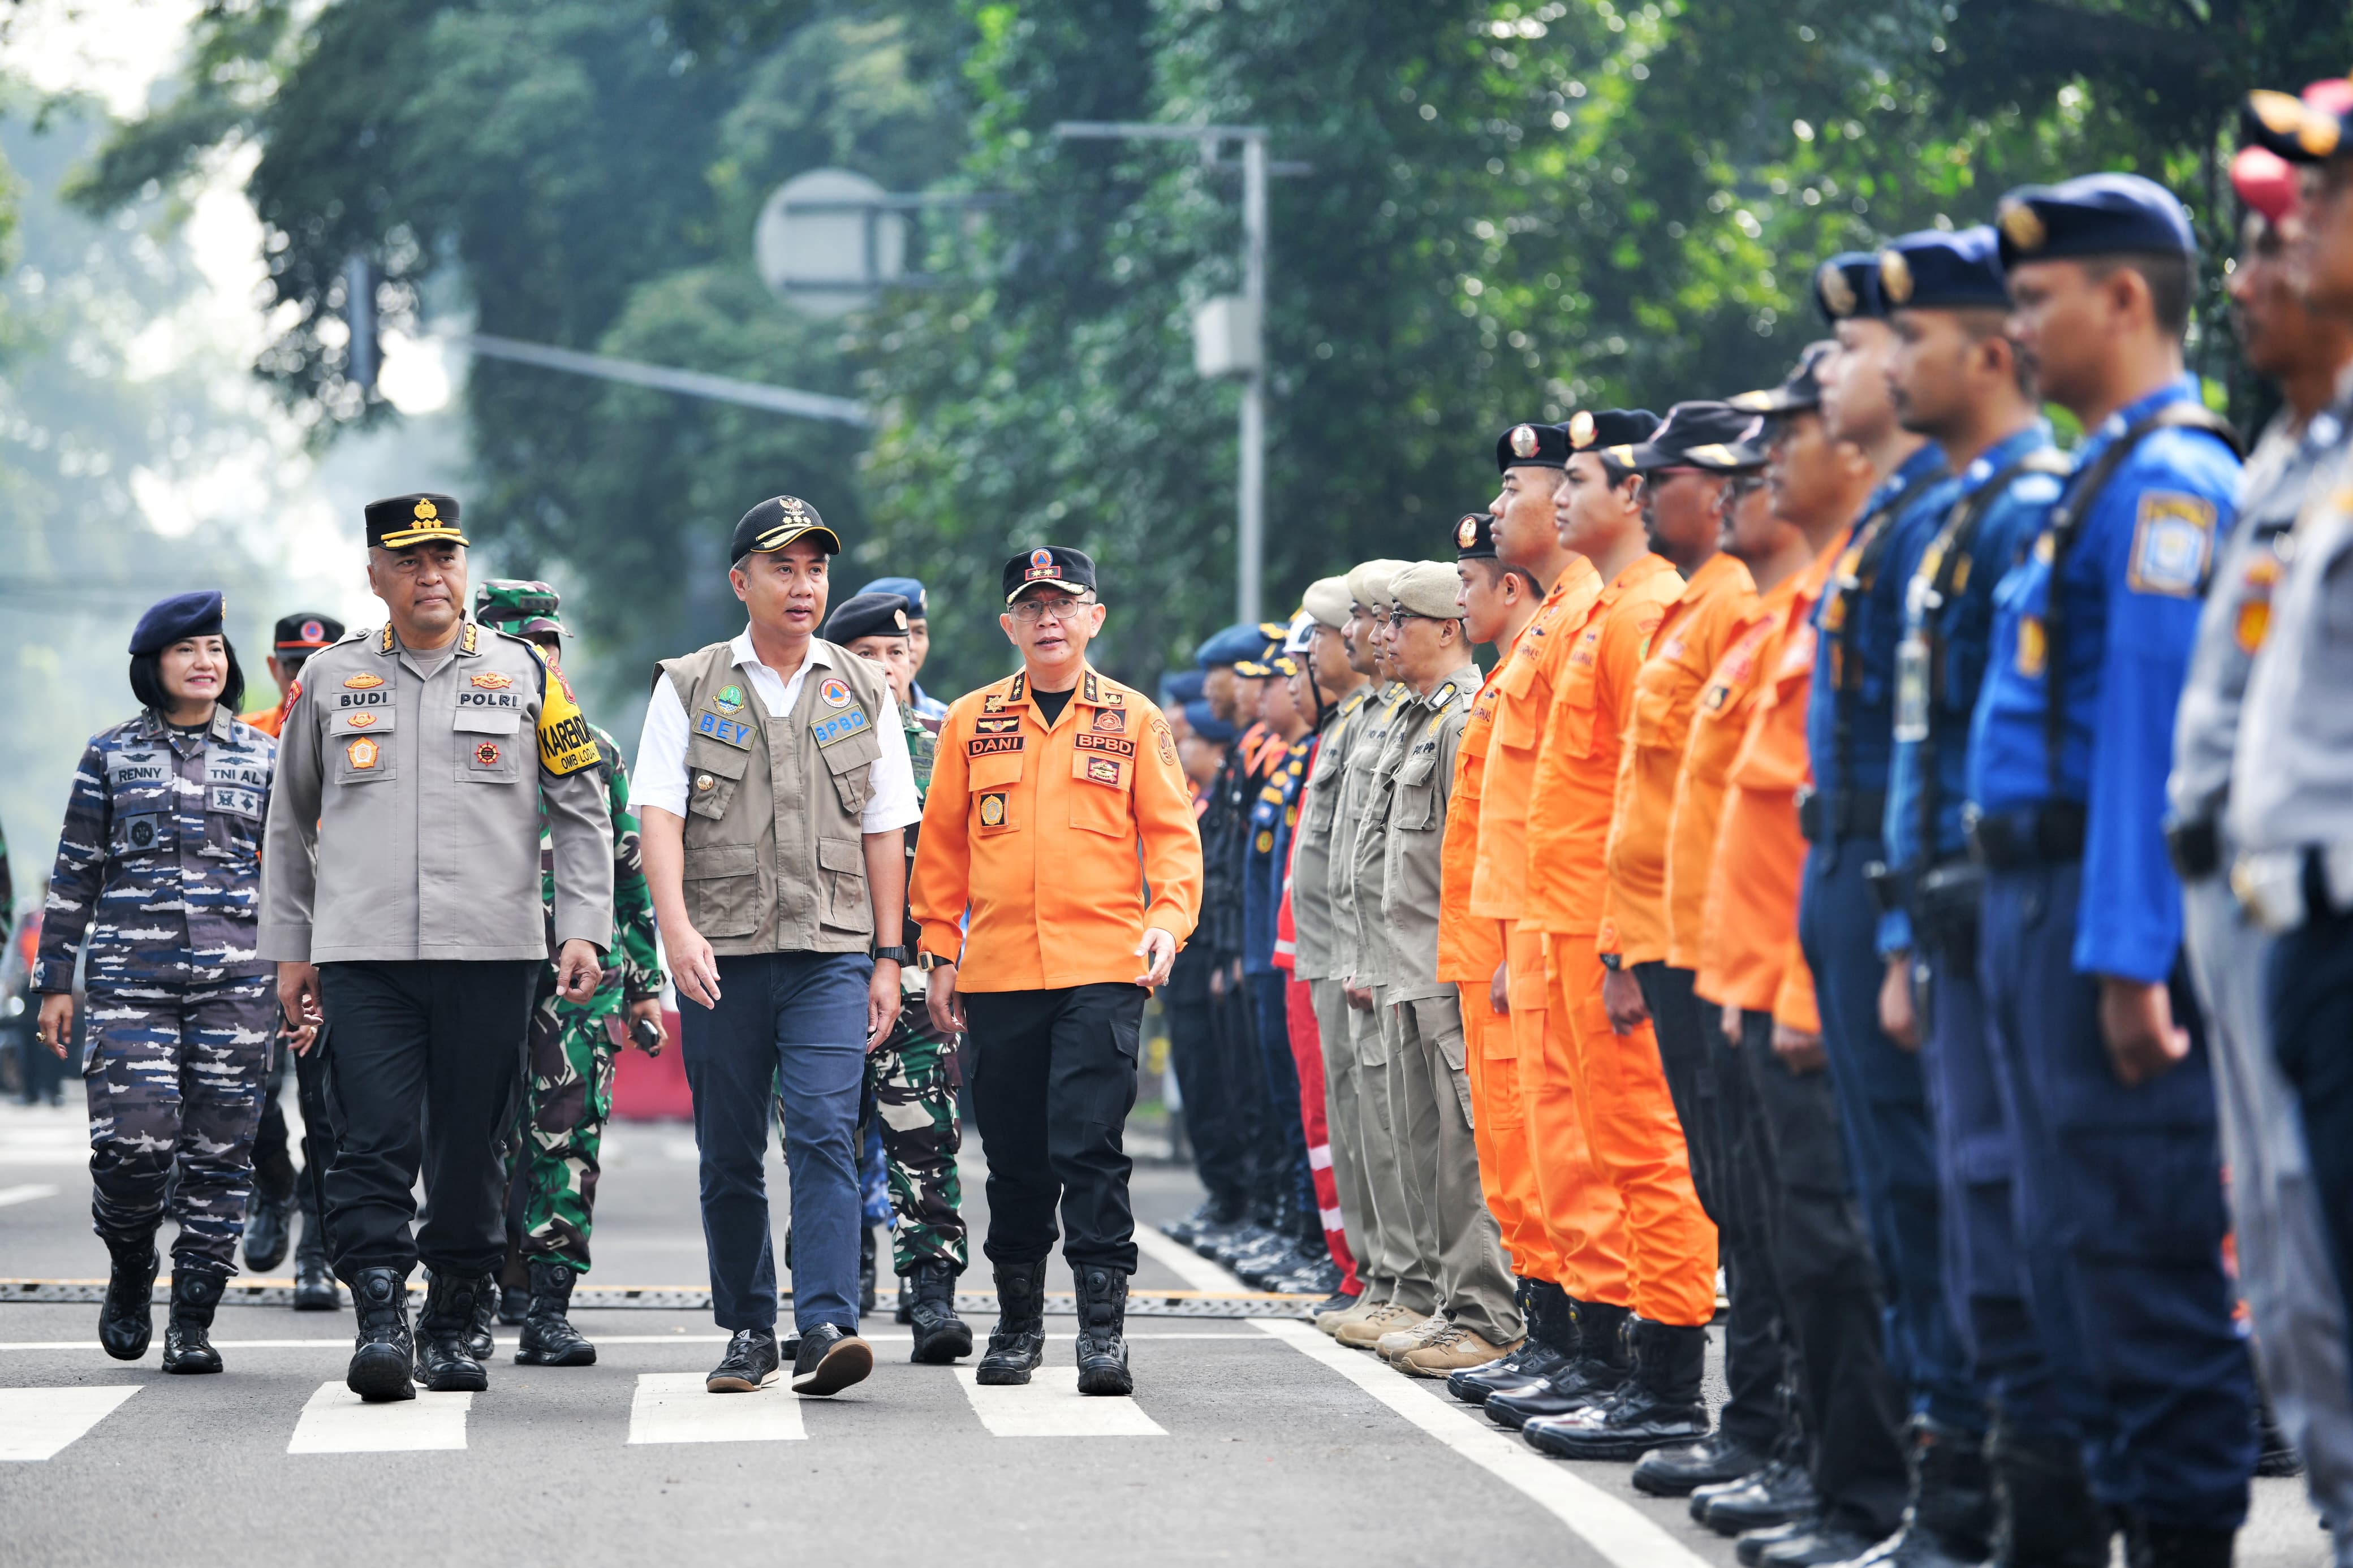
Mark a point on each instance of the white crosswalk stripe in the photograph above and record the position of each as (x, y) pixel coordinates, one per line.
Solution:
(337, 1421)
(36, 1423)
(675, 1407)
(1050, 1406)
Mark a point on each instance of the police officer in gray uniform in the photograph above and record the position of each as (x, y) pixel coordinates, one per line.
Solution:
(2284, 1269)
(401, 899)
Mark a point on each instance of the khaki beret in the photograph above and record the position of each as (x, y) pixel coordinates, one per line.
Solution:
(1430, 588)
(1326, 599)
(1369, 582)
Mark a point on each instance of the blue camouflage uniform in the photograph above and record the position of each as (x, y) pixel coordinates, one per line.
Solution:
(1881, 1098)
(158, 876)
(1941, 661)
(2118, 1195)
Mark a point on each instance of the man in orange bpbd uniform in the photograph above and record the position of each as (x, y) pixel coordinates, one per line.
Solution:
(1060, 824)
(298, 636)
(1498, 602)
(1621, 1100)
(1751, 966)
(1579, 1297)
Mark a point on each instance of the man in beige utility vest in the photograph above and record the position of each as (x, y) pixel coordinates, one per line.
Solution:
(773, 790)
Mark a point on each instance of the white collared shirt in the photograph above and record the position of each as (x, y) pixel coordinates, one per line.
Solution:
(660, 776)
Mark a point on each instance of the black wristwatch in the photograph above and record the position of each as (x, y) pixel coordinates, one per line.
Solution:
(895, 955)
(1612, 961)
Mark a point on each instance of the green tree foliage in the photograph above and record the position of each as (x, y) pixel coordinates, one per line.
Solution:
(1514, 209)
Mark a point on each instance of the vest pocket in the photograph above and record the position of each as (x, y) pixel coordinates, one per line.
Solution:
(712, 771)
(851, 763)
(843, 903)
(721, 885)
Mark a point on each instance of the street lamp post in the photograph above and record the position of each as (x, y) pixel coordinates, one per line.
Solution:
(1242, 348)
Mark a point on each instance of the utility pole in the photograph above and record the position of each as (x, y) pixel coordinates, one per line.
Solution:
(1229, 334)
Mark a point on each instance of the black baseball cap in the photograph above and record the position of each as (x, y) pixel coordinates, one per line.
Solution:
(777, 522)
(1050, 566)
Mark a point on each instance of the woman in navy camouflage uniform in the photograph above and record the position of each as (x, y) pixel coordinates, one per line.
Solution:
(157, 885)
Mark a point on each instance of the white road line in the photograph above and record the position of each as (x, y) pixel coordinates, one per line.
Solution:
(1050, 1406)
(1198, 1272)
(1611, 1526)
(674, 1407)
(34, 1422)
(26, 1193)
(337, 1422)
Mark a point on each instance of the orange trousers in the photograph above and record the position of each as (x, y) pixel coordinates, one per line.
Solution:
(1499, 1129)
(1637, 1140)
(1580, 1212)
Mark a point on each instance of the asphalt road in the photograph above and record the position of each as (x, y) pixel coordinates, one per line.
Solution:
(1247, 1441)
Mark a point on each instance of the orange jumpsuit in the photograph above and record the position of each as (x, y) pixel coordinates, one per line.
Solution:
(1582, 1220)
(1468, 949)
(1620, 1090)
(1749, 942)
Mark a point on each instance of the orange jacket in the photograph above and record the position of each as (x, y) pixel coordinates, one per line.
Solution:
(1469, 948)
(1718, 724)
(1693, 635)
(1576, 787)
(1523, 686)
(1749, 952)
(1064, 844)
(269, 720)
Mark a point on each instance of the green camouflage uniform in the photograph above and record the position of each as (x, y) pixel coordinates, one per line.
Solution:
(574, 1044)
(912, 1080)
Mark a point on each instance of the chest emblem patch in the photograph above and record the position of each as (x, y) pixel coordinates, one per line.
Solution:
(730, 699)
(1109, 721)
(833, 692)
(361, 720)
(492, 680)
(362, 683)
(362, 752)
(486, 755)
(992, 809)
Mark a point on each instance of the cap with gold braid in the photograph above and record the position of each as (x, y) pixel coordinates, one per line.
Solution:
(405, 521)
(777, 522)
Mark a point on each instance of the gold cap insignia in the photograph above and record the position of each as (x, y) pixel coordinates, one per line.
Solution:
(1466, 533)
(1523, 440)
(425, 512)
(1894, 276)
(900, 617)
(2022, 225)
(1580, 429)
(1838, 294)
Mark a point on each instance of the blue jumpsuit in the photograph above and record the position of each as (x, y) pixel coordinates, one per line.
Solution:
(2118, 1195)
(159, 870)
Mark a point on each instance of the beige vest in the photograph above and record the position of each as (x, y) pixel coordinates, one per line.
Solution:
(775, 861)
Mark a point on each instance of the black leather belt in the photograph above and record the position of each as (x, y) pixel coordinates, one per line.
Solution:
(2042, 835)
(1842, 813)
(2195, 847)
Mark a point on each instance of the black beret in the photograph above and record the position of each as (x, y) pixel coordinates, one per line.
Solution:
(2093, 214)
(2307, 129)
(1615, 433)
(305, 632)
(1939, 270)
(777, 522)
(421, 518)
(1800, 390)
(867, 616)
(1052, 566)
(1475, 537)
(1532, 447)
(1846, 286)
(1689, 427)
(167, 621)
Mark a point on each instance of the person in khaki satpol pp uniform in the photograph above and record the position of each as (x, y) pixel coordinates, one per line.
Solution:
(773, 793)
(1477, 1321)
(1057, 872)
(401, 900)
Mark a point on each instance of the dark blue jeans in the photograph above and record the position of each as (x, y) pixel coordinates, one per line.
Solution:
(2309, 987)
(791, 1026)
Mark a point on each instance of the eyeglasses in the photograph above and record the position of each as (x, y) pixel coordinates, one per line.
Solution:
(1397, 618)
(1029, 611)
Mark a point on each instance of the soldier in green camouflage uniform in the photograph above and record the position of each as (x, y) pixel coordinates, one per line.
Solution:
(553, 1158)
(912, 1075)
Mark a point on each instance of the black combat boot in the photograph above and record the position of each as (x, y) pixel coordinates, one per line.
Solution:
(1658, 1405)
(1781, 1493)
(2044, 1516)
(126, 1316)
(314, 1285)
(1102, 1331)
(866, 1279)
(905, 1310)
(445, 1361)
(1592, 1376)
(187, 1337)
(1949, 1521)
(548, 1337)
(384, 1350)
(1681, 1470)
(940, 1335)
(267, 1221)
(1018, 1343)
(1551, 1345)
(2148, 1544)
(478, 1343)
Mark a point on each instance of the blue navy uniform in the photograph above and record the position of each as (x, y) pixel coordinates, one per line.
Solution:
(2118, 1191)
(1941, 662)
(1285, 1145)
(159, 874)
(1881, 1099)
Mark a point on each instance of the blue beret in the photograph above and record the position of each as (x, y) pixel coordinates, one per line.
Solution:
(1177, 690)
(906, 588)
(2093, 214)
(196, 615)
(1935, 270)
(1231, 646)
(1206, 724)
(1846, 287)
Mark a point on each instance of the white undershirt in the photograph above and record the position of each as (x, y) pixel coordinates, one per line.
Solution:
(659, 778)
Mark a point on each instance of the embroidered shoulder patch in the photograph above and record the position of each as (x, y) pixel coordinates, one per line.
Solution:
(2171, 539)
(565, 745)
